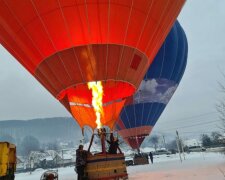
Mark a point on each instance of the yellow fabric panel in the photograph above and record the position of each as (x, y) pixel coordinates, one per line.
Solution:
(4, 151)
(7, 157)
(12, 157)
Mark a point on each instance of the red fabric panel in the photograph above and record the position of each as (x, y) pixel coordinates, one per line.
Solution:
(129, 100)
(133, 132)
(68, 43)
(135, 142)
(79, 65)
(42, 29)
(134, 136)
(135, 62)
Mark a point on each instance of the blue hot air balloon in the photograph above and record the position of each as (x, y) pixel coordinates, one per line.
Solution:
(142, 110)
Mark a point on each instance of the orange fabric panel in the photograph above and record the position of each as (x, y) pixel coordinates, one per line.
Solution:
(111, 91)
(80, 100)
(85, 116)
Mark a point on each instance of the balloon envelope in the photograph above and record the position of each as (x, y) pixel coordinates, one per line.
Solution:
(142, 110)
(66, 44)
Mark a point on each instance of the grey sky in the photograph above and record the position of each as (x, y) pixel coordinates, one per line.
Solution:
(198, 92)
(22, 97)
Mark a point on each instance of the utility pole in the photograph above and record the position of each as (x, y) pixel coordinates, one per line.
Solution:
(178, 145)
(164, 141)
(62, 159)
(201, 151)
(181, 145)
(182, 149)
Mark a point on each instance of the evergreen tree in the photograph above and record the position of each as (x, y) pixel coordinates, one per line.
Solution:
(28, 144)
(206, 140)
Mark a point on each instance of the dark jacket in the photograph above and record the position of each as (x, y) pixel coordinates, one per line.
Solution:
(81, 157)
(151, 155)
(113, 145)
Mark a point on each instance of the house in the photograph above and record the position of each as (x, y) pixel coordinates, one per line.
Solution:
(64, 160)
(20, 164)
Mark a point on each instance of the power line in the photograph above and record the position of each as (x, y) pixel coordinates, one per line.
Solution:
(191, 117)
(203, 123)
(199, 132)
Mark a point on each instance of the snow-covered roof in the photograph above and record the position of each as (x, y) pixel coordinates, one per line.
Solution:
(21, 158)
(49, 158)
(67, 156)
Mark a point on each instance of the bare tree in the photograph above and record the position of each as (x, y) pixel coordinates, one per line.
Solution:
(220, 107)
(154, 140)
(215, 136)
(53, 146)
(206, 140)
(172, 144)
(221, 110)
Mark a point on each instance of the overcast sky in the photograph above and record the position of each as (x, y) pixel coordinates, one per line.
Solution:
(22, 97)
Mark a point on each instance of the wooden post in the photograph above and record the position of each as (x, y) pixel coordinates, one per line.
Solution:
(102, 134)
(178, 145)
(103, 143)
(92, 137)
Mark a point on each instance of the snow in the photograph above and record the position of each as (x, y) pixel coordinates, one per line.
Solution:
(66, 173)
(196, 166)
(67, 156)
(192, 142)
(49, 158)
(147, 149)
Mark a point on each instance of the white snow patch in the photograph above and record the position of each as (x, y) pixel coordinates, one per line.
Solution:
(197, 166)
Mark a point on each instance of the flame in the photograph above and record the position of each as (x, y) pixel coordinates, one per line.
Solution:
(97, 94)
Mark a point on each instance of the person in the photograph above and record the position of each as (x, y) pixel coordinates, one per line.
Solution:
(151, 157)
(81, 159)
(113, 144)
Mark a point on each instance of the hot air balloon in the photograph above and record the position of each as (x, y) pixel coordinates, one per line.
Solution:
(89, 54)
(142, 110)
(66, 44)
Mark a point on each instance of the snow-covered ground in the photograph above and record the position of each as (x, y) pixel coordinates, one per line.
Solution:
(196, 166)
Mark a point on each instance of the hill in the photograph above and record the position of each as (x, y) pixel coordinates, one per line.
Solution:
(45, 130)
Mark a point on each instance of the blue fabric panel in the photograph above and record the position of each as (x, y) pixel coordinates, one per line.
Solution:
(170, 62)
(159, 83)
(143, 114)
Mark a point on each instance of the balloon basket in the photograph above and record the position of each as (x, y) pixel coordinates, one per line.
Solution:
(106, 166)
(140, 159)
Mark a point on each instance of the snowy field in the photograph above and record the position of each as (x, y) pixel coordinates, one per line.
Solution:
(196, 166)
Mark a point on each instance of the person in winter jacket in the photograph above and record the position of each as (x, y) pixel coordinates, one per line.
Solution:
(81, 160)
(113, 145)
(151, 157)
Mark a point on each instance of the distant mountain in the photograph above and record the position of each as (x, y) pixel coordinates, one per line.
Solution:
(60, 129)
(45, 130)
